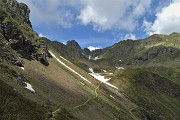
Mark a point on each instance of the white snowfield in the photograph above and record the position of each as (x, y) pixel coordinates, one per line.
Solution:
(101, 78)
(69, 67)
(29, 87)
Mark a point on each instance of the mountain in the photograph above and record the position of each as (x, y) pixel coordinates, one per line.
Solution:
(156, 50)
(42, 79)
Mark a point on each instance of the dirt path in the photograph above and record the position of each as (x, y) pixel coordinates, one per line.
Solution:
(88, 100)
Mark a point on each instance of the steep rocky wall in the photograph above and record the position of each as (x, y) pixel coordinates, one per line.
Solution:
(21, 10)
(29, 45)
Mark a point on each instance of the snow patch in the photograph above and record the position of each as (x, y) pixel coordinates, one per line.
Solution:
(22, 68)
(120, 68)
(101, 78)
(29, 87)
(112, 96)
(97, 58)
(98, 76)
(89, 57)
(104, 70)
(69, 67)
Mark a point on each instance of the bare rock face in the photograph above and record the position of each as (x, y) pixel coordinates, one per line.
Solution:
(21, 11)
(10, 31)
(14, 41)
(74, 46)
(23, 45)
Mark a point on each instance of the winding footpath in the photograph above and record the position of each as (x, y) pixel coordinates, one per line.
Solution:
(88, 100)
(95, 91)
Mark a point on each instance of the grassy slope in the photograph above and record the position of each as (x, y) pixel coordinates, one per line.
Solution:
(13, 104)
(101, 106)
(155, 96)
(134, 100)
(135, 53)
(58, 90)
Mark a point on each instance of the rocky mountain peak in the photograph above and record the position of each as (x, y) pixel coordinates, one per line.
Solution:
(18, 11)
(14, 24)
(74, 46)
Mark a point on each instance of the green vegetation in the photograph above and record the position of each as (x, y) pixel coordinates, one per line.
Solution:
(148, 86)
(13, 105)
(157, 97)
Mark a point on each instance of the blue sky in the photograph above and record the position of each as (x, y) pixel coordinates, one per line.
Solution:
(101, 23)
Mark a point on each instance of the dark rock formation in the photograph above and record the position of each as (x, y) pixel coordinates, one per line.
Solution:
(74, 46)
(13, 36)
(21, 10)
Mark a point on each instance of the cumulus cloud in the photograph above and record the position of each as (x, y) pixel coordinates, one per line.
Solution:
(102, 15)
(50, 12)
(41, 35)
(130, 36)
(167, 20)
(91, 48)
(118, 14)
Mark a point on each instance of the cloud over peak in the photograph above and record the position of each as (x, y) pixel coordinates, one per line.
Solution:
(167, 20)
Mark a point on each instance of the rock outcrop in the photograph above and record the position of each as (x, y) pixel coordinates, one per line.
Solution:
(73, 46)
(15, 38)
(18, 10)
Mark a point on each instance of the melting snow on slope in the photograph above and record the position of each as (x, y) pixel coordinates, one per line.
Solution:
(104, 70)
(95, 58)
(69, 67)
(29, 87)
(98, 76)
(89, 57)
(112, 96)
(101, 78)
(120, 68)
(22, 68)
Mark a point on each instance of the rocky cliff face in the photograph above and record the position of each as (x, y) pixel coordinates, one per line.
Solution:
(21, 11)
(14, 34)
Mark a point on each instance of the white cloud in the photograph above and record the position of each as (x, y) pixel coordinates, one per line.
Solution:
(118, 14)
(147, 26)
(167, 21)
(102, 15)
(130, 36)
(50, 12)
(88, 14)
(41, 35)
(91, 48)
